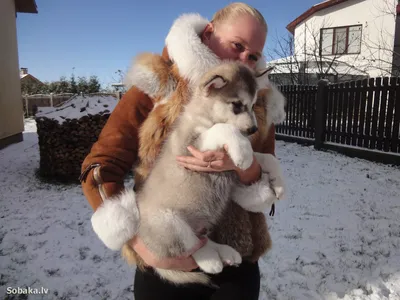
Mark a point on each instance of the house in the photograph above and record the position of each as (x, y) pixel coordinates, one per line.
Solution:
(11, 108)
(340, 40)
(29, 83)
(27, 78)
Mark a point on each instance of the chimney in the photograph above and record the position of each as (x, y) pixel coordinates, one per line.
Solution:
(396, 47)
(23, 71)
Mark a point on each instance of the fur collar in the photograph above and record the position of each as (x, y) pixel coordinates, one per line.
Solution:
(186, 49)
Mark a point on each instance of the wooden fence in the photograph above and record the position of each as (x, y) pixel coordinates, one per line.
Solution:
(357, 118)
(32, 102)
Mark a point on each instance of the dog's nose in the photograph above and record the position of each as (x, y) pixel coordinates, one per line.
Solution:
(252, 130)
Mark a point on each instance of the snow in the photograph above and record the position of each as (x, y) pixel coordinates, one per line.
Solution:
(335, 236)
(79, 106)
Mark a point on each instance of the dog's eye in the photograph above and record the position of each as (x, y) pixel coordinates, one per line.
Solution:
(237, 107)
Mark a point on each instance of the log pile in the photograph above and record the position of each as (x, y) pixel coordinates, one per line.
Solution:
(67, 133)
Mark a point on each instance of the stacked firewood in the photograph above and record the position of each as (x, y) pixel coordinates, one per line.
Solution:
(64, 145)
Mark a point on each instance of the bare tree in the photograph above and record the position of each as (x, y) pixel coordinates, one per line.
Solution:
(384, 49)
(118, 81)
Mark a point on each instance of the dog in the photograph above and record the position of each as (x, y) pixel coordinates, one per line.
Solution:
(176, 205)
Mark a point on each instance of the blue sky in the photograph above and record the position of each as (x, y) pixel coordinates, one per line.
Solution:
(98, 37)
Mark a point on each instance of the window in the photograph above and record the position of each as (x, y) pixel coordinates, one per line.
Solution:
(341, 40)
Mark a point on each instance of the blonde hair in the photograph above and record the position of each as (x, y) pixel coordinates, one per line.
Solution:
(236, 9)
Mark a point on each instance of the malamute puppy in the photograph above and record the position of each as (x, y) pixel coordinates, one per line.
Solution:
(176, 204)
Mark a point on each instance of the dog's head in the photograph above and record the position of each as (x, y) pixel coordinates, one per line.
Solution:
(230, 92)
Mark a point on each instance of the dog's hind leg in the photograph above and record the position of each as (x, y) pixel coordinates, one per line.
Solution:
(167, 233)
(212, 257)
(208, 259)
(226, 253)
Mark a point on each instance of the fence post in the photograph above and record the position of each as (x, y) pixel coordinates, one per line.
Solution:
(51, 99)
(320, 113)
(26, 105)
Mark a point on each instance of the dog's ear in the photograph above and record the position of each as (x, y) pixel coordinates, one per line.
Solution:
(262, 77)
(217, 82)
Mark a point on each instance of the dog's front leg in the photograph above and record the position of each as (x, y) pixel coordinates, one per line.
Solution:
(239, 147)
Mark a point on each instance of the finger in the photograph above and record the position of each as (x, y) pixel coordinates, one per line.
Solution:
(206, 155)
(192, 161)
(198, 168)
(196, 152)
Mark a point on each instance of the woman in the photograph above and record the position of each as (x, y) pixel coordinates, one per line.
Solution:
(236, 32)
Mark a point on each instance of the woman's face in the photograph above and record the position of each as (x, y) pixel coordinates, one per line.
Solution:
(240, 39)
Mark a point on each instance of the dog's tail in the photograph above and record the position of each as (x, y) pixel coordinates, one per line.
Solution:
(180, 277)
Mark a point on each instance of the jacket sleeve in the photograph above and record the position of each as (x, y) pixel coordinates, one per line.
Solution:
(115, 218)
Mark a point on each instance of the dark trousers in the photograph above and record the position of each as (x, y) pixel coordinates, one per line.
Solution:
(235, 283)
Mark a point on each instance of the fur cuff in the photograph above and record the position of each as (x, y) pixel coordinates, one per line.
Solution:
(116, 221)
(257, 197)
(260, 196)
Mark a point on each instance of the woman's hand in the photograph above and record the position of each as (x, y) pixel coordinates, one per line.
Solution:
(219, 161)
(184, 263)
(208, 161)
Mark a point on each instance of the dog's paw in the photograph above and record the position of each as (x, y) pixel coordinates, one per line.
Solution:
(208, 260)
(229, 255)
(211, 266)
(241, 153)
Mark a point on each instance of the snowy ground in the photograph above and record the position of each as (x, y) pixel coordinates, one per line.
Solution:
(336, 236)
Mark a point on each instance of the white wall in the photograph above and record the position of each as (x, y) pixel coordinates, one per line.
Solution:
(11, 109)
(378, 27)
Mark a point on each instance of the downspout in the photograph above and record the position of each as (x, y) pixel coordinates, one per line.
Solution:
(396, 46)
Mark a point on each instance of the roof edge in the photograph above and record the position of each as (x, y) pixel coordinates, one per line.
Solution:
(25, 6)
(315, 8)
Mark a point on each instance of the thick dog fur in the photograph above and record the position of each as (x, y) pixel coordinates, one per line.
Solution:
(176, 204)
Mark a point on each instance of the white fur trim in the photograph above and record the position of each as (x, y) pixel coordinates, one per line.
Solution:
(275, 103)
(116, 221)
(257, 197)
(143, 78)
(186, 49)
(260, 196)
